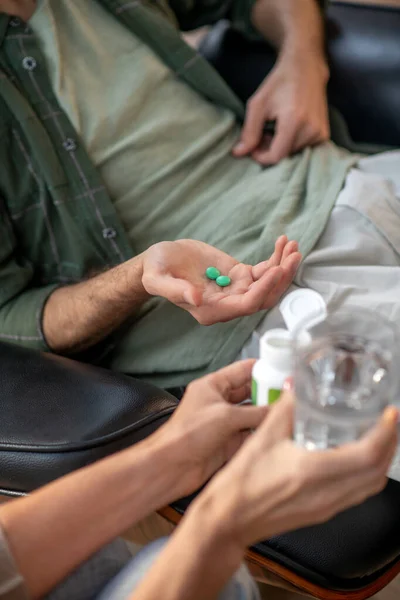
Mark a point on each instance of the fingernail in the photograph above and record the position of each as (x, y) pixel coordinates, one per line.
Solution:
(238, 147)
(288, 385)
(391, 415)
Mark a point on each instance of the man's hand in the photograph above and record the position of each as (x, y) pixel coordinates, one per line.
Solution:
(294, 96)
(176, 271)
(209, 423)
(272, 485)
(77, 316)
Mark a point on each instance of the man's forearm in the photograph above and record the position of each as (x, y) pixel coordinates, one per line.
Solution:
(292, 26)
(78, 316)
(55, 529)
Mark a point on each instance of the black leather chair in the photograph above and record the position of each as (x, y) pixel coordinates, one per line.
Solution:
(59, 415)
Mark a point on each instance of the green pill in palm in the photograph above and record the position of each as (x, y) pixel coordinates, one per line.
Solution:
(223, 280)
(212, 273)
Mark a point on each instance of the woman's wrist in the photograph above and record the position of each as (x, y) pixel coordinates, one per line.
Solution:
(203, 557)
(209, 521)
(166, 465)
(217, 509)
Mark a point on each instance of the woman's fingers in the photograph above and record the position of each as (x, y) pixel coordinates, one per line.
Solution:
(240, 394)
(375, 450)
(363, 458)
(233, 378)
(379, 440)
(247, 417)
(279, 425)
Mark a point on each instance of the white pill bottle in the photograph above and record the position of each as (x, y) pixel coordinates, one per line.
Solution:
(273, 367)
(275, 364)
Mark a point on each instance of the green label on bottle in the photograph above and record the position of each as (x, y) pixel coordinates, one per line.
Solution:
(273, 395)
(254, 392)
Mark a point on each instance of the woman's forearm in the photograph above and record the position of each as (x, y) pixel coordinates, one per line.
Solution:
(200, 558)
(55, 529)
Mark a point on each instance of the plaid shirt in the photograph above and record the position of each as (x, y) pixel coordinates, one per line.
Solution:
(58, 223)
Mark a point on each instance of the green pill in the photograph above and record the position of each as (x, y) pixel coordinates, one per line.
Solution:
(223, 280)
(212, 273)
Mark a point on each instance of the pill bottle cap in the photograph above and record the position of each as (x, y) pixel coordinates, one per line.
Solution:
(276, 348)
(301, 305)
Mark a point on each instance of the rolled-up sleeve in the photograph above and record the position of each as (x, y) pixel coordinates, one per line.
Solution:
(12, 585)
(21, 303)
(192, 14)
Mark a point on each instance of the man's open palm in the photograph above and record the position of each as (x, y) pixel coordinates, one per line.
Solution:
(176, 271)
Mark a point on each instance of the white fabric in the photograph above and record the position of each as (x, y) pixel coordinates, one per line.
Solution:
(357, 259)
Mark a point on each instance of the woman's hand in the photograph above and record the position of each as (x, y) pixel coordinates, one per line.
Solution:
(209, 425)
(272, 485)
(176, 271)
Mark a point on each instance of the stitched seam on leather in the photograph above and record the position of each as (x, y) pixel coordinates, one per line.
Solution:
(89, 444)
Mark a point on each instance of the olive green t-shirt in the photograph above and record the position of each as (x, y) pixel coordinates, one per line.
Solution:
(164, 153)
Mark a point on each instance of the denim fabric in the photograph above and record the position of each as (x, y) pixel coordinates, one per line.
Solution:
(240, 587)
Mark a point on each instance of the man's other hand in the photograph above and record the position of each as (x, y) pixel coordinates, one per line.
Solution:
(294, 97)
(176, 271)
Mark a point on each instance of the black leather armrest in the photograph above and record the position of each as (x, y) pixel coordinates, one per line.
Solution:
(348, 552)
(364, 53)
(58, 415)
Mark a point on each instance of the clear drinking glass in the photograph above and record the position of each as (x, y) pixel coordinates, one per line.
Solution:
(344, 376)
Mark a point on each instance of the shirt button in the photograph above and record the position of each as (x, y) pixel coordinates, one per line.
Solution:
(29, 63)
(109, 233)
(15, 22)
(69, 145)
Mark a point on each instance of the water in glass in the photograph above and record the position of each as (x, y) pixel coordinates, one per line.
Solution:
(343, 379)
